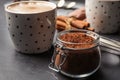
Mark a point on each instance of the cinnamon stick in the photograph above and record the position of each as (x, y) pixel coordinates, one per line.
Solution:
(79, 24)
(62, 18)
(91, 29)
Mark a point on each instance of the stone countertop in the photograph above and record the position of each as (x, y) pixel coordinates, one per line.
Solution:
(17, 66)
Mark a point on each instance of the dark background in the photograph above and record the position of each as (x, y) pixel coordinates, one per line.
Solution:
(17, 66)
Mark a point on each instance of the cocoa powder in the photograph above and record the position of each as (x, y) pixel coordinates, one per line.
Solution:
(83, 58)
(83, 40)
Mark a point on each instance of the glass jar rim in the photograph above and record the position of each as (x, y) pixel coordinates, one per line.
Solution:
(79, 30)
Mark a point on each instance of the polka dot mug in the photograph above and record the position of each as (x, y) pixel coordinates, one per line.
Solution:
(103, 15)
(31, 32)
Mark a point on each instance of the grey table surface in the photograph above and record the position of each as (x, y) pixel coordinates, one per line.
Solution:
(17, 66)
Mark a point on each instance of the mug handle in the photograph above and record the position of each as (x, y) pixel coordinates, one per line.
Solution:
(62, 59)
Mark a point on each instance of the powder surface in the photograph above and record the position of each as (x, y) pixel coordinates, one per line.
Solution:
(83, 40)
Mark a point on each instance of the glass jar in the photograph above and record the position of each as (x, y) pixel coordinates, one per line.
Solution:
(76, 59)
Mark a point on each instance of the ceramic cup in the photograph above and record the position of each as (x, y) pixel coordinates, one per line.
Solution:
(31, 31)
(103, 15)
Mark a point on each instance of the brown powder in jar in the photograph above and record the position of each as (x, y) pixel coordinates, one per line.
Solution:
(81, 61)
(83, 40)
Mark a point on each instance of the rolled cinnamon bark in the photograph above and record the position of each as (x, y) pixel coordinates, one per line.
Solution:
(67, 23)
(79, 24)
(78, 13)
(60, 28)
(60, 25)
(91, 29)
(62, 18)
